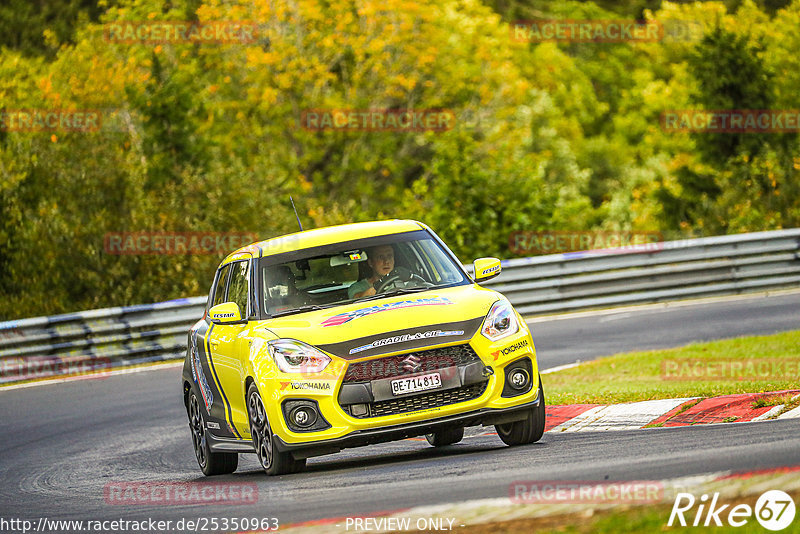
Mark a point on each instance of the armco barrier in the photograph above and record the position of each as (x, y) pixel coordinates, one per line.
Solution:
(96, 339)
(691, 268)
(727, 265)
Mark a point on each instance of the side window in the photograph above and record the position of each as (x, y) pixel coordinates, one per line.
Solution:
(237, 291)
(219, 292)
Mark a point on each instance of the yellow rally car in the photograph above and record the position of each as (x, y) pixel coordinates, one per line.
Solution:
(351, 335)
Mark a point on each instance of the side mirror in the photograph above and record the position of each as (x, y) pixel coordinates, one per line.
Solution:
(486, 269)
(227, 312)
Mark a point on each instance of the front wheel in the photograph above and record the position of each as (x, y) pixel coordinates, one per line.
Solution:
(444, 437)
(530, 429)
(273, 462)
(211, 463)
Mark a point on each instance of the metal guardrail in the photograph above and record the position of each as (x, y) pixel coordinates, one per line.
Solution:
(97, 340)
(692, 268)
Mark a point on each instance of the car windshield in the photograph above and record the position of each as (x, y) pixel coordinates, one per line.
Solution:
(356, 270)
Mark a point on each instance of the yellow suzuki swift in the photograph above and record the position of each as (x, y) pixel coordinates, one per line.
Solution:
(352, 335)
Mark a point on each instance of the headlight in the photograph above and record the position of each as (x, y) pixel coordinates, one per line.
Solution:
(292, 356)
(501, 321)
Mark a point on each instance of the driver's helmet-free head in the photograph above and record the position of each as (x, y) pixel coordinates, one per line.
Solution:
(381, 260)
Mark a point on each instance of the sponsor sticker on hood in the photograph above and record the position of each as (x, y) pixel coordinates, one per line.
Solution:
(406, 337)
(346, 317)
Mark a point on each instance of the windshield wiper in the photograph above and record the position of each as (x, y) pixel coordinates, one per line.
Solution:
(401, 290)
(301, 309)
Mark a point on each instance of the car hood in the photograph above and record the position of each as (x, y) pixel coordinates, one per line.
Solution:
(374, 327)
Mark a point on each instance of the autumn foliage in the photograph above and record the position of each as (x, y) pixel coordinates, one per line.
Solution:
(202, 133)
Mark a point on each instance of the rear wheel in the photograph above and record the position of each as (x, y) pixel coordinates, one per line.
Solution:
(448, 436)
(211, 463)
(273, 462)
(530, 429)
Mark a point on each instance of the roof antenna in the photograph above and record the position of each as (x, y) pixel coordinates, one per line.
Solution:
(295, 213)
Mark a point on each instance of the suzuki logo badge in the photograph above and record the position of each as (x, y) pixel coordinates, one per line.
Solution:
(412, 364)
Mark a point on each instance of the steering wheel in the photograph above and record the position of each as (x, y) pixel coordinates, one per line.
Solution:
(398, 274)
(382, 284)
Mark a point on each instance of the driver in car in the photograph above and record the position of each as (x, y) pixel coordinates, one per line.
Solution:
(381, 262)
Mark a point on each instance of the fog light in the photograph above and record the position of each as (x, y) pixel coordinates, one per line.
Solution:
(304, 416)
(357, 410)
(301, 417)
(519, 379)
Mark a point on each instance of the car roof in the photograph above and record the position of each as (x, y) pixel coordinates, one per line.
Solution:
(323, 236)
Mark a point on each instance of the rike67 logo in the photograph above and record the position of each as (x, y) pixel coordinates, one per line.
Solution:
(774, 510)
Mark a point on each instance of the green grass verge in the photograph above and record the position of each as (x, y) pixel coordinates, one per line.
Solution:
(742, 365)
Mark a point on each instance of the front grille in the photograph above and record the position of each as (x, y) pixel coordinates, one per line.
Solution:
(425, 401)
(392, 366)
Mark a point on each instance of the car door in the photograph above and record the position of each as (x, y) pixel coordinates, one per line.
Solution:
(229, 347)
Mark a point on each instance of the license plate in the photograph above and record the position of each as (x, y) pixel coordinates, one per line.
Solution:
(416, 383)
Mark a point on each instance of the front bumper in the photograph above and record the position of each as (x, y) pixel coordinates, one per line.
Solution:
(359, 438)
(474, 386)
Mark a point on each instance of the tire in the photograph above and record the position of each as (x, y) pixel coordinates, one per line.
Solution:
(274, 462)
(447, 436)
(211, 463)
(530, 429)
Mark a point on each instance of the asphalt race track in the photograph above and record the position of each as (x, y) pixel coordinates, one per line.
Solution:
(62, 443)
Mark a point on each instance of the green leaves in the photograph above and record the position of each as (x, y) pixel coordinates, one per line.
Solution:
(202, 136)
